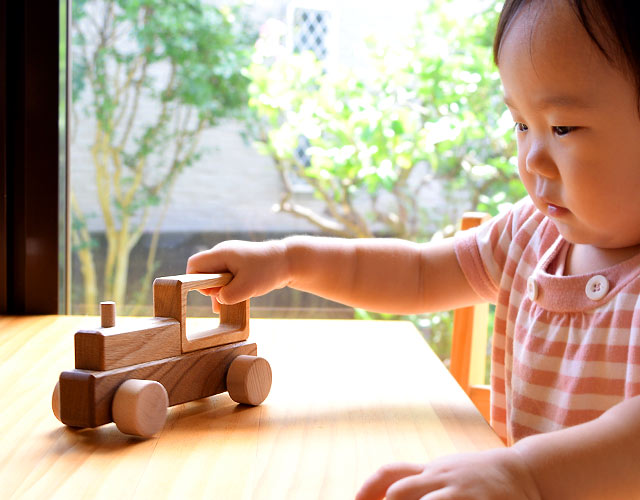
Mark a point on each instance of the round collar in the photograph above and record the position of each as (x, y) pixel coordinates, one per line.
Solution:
(581, 292)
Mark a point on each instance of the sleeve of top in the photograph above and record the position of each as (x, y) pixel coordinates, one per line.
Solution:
(482, 251)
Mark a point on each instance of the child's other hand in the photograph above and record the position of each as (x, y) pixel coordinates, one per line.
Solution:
(489, 475)
(257, 268)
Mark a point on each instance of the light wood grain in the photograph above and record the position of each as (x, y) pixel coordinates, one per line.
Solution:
(107, 314)
(170, 300)
(127, 343)
(86, 396)
(139, 407)
(346, 398)
(249, 380)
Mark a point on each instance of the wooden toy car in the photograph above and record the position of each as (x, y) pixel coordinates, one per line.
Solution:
(131, 375)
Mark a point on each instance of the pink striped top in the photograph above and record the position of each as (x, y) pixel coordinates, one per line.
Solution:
(565, 348)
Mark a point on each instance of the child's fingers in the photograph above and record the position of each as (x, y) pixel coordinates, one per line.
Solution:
(237, 290)
(215, 305)
(207, 261)
(246, 261)
(210, 292)
(375, 488)
(417, 486)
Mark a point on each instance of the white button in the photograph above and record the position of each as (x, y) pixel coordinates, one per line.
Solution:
(597, 287)
(532, 288)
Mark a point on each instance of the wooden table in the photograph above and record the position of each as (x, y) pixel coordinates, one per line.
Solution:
(347, 397)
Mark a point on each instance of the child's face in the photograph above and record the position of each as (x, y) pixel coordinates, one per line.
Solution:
(578, 128)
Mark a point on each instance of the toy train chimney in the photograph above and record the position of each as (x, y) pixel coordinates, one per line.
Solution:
(107, 314)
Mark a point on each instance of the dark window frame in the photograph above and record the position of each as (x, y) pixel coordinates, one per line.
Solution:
(32, 178)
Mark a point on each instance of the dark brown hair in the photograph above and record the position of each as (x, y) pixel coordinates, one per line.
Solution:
(612, 25)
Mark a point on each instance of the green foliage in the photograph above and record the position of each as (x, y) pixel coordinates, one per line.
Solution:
(427, 113)
(151, 75)
(206, 47)
(424, 116)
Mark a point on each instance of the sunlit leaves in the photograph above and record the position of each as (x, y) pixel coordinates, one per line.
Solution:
(432, 104)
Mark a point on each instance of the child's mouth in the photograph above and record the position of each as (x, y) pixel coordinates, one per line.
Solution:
(556, 210)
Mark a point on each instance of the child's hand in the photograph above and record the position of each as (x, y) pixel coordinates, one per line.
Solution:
(489, 475)
(257, 268)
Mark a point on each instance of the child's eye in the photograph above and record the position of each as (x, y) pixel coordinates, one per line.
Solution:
(563, 130)
(521, 127)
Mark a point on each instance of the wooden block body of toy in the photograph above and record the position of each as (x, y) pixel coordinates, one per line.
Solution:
(131, 375)
(117, 346)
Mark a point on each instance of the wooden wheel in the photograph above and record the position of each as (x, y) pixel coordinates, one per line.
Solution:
(249, 380)
(55, 401)
(140, 407)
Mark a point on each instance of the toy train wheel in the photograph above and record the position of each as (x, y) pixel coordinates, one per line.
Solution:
(249, 380)
(139, 407)
(55, 401)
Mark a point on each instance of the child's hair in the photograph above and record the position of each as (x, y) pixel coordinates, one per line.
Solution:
(611, 24)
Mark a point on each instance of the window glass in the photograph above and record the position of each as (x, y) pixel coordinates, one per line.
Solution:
(201, 121)
(64, 256)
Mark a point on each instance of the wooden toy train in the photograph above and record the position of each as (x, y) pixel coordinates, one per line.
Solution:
(130, 376)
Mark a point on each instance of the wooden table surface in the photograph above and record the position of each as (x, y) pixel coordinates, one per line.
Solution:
(347, 397)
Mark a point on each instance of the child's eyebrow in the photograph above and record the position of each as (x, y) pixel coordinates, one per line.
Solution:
(557, 101)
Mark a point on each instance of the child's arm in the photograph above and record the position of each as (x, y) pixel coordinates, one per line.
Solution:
(375, 274)
(596, 460)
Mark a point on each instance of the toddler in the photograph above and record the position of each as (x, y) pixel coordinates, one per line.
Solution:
(562, 267)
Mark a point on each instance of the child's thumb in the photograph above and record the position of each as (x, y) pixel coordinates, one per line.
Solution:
(233, 292)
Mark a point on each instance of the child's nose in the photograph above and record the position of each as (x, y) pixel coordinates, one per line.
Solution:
(539, 161)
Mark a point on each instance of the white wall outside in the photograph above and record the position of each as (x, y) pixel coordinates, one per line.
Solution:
(232, 188)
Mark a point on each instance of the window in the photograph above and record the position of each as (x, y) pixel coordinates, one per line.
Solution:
(311, 29)
(160, 166)
(403, 130)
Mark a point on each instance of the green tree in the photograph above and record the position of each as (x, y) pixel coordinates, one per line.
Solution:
(429, 114)
(183, 56)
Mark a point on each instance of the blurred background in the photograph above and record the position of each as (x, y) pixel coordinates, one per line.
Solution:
(197, 121)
